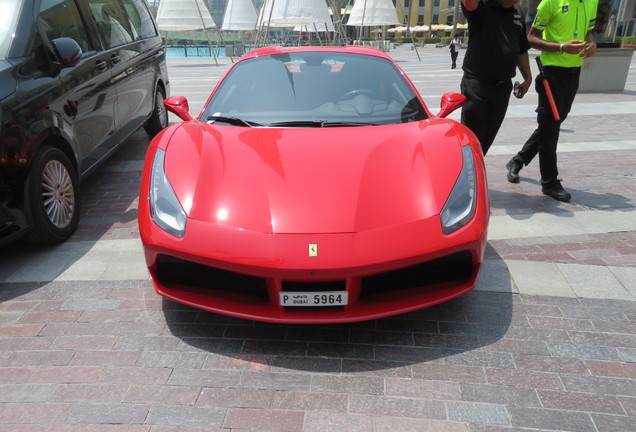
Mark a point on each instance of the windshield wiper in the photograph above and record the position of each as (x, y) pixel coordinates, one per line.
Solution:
(348, 123)
(319, 123)
(234, 121)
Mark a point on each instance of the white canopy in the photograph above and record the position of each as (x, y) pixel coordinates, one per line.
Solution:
(183, 15)
(315, 27)
(290, 13)
(239, 15)
(420, 28)
(373, 13)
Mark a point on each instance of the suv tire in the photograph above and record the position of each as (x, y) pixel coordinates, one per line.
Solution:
(159, 118)
(52, 197)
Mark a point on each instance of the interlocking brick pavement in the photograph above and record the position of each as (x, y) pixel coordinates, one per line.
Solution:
(92, 352)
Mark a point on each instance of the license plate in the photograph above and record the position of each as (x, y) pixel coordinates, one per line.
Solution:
(313, 299)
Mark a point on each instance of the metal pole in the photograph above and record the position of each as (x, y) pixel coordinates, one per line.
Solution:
(207, 34)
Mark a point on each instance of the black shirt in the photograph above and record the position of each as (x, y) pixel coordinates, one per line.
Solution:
(497, 36)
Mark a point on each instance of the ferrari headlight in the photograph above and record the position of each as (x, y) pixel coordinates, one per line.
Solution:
(164, 204)
(460, 206)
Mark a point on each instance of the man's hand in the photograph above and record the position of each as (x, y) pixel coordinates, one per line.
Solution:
(525, 86)
(589, 50)
(574, 46)
(582, 48)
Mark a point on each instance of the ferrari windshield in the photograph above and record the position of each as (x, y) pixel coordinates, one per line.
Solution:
(314, 89)
(8, 16)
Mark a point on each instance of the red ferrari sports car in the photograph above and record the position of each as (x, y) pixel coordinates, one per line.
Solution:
(314, 187)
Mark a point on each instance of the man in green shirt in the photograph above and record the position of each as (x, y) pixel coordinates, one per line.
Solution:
(562, 31)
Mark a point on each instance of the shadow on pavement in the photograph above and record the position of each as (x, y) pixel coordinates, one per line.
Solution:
(459, 329)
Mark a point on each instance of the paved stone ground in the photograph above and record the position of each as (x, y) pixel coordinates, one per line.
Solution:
(546, 342)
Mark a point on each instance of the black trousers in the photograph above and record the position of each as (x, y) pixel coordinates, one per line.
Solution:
(454, 55)
(485, 107)
(564, 83)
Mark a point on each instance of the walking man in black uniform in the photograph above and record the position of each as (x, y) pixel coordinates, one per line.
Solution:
(497, 46)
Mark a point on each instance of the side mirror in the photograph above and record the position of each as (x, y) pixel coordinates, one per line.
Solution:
(179, 105)
(68, 51)
(450, 102)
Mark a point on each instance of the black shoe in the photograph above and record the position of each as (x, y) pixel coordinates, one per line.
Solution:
(513, 170)
(555, 190)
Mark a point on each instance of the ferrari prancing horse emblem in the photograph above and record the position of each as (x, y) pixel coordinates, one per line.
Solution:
(313, 249)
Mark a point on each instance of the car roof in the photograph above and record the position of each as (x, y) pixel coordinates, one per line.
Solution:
(351, 49)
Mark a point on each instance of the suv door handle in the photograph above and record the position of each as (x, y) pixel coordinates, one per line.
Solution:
(101, 65)
(115, 58)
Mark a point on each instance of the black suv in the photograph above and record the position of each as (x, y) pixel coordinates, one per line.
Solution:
(77, 77)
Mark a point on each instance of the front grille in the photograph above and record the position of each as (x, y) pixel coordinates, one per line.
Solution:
(172, 270)
(456, 268)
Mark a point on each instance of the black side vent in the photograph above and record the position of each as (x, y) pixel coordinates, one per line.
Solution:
(171, 270)
(452, 268)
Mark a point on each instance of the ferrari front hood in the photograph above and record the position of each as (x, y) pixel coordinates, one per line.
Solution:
(313, 180)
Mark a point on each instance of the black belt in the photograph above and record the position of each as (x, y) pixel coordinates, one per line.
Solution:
(569, 70)
(495, 82)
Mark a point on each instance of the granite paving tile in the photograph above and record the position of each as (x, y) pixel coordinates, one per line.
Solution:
(89, 393)
(447, 341)
(500, 360)
(236, 398)
(612, 369)
(409, 354)
(345, 422)
(108, 413)
(275, 381)
(629, 405)
(306, 364)
(524, 379)
(172, 359)
(307, 401)
(628, 355)
(377, 368)
(26, 393)
(585, 352)
(573, 401)
(162, 395)
(103, 357)
(599, 385)
(386, 423)
(613, 423)
(422, 389)
(186, 416)
(265, 420)
(453, 373)
(34, 413)
(348, 351)
(477, 413)
(397, 407)
(231, 361)
(603, 339)
(201, 377)
(39, 358)
(540, 418)
(347, 384)
(66, 374)
(499, 394)
(135, 375)
(550, 364)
